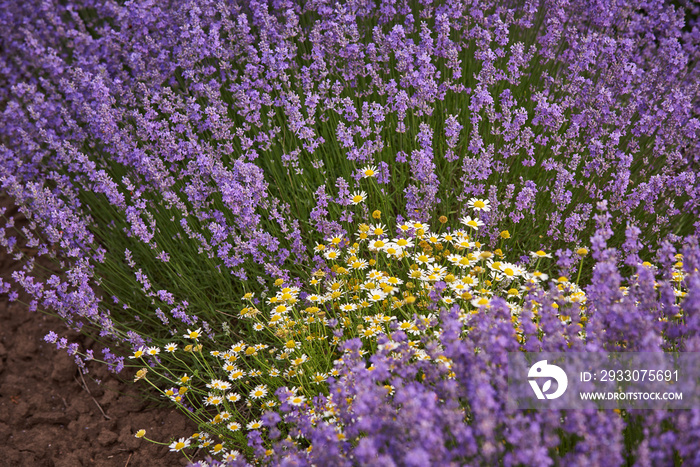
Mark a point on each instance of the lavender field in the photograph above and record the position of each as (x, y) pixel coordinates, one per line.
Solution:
(317, 229)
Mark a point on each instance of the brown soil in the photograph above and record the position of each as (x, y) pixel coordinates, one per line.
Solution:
(50, 417)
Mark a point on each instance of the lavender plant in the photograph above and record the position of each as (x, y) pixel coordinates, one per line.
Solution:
(174, 160)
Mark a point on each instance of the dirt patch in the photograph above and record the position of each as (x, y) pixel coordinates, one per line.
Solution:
(50, 416)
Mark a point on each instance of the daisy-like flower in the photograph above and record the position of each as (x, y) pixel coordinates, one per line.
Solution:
(539, 276)
(376, 296)
(296, 400)
(170, 348)
(377, 230)
(234, 426)
(480, 301)
(377, 245)
(433, 238)
(393, 250)
(513, 293)
(139, 353)
(418, 225)
(358, 264)
(180, 444)
(393, 281)
(370, 332)
(140, 374)
(511, 270)
(258, 327)
(374, 274)
(409, 327)
(254, 425)
(193, 334)
(258, 391)
(299, 360)
(358, 197)
(153, 351)
(472, 223)
(236, 374)
(291, 344)
(454, 259)
(233, 397)
(231, 456)
(369, 171)
(448, 237)
(219, 384)
(540, 254)
(319, 378)
(404, 242)
(332, 254)
(480, 204)
(335, 241)
(313, 298)
(141, 433)
(228, 367)
(213, 399)
(422, 258)
(347, 307)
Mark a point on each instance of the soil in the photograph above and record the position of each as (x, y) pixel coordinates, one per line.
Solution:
(51, 416)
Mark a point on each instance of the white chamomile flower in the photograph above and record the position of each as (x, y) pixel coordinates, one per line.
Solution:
(139, 352)
(296, 400)
(377, 230)
(511, 270)
(376, 245)
(254, 425)
(393, 250)
(219, 384)
(472, 223)
(358, 197)
(369, 171)
(480, 204)
(193, 334)
(403, 242)
(258, 391)
(179, 445)
(480, 302)
(213, 399)
(333, 255)
(540, 254)
(422, 258)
